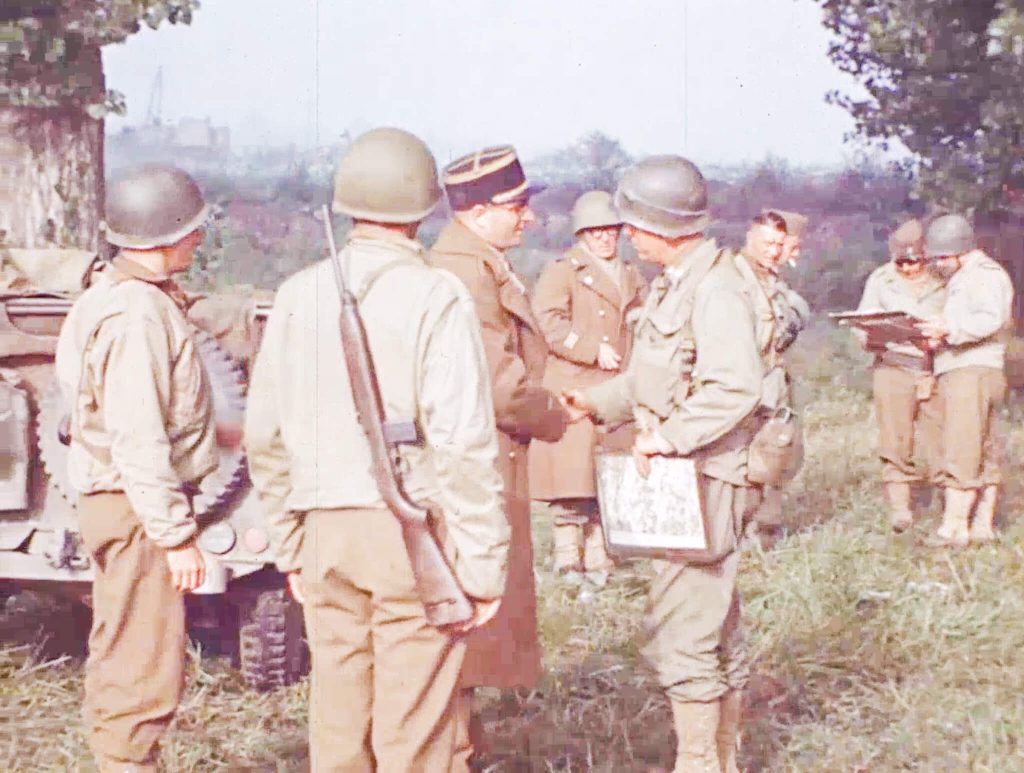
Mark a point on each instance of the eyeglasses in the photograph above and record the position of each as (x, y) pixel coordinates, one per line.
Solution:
(908, 261)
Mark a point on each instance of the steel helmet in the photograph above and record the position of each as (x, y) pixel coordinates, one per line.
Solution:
(666, 195)
(907, 239)
(387, 175)
(594, 210)
(151, 206)
(949, 235)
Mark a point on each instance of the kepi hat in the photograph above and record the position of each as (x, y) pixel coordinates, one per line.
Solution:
(489, 176)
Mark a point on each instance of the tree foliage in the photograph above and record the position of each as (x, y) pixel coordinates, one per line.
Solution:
(594, 161)
(49, 48)
(945, 78)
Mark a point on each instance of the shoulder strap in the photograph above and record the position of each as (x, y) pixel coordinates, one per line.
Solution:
(371, 278)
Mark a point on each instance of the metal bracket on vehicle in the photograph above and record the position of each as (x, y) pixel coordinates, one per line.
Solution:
(64, 551)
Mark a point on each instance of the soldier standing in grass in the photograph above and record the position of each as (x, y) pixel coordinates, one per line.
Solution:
(902, 374)
(781, 314)
(694, 383)
(142, 433)
(970, 337)
(384, 682)
(581, 301)
(490, 199)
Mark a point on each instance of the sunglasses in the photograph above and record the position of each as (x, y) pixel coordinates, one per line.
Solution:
(909, 261)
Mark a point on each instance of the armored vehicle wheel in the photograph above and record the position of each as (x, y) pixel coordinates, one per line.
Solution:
(271, 648)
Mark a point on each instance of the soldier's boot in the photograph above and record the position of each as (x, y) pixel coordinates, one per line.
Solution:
(596, 561)
(696, 726)
(982, 525)
(568, 549)
(956, 513)
(728, 734)
(901, 517)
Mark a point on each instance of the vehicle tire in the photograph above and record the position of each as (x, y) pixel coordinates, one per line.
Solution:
(271, 649)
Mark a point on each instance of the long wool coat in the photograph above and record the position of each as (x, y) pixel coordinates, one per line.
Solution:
(578, 306)
(506, 651)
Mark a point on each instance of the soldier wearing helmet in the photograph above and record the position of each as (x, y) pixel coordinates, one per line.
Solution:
(142, 434)
(969, 337)
(384, 680)
(581, 301)
(490, 200)
(902, 374)
(693, 383)
(781, 314)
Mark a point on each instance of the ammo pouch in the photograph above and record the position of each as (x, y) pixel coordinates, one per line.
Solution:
(776, 451)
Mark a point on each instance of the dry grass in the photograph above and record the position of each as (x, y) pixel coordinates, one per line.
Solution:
(872, 654)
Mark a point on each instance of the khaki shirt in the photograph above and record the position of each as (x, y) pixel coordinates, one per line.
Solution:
(305, 446)
(141, 406)
(888, 290)
(780, 314)
(695, 371)
(978, 314)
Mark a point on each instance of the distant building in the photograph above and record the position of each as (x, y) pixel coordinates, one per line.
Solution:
(195, 144)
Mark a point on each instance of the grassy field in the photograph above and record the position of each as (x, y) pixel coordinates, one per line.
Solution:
(872, 653)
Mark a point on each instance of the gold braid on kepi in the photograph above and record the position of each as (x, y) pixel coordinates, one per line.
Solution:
(488, 176)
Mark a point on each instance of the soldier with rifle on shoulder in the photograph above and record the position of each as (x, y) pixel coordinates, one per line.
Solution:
(371, 440)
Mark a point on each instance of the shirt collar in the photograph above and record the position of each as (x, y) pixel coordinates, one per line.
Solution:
(136, 270)
(375, 233)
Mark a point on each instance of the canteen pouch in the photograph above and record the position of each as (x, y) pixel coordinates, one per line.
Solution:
(776, 451)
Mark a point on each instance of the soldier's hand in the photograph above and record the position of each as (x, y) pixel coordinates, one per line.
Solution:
(648, 443)
(296, 588)
(188, 570)
(642, 461)
(575, 404)
(483, 613)
(934, 329)
(608, 358)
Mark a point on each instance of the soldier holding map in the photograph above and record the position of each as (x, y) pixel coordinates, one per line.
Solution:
(902, 375)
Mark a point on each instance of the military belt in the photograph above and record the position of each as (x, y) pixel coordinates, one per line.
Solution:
(917, 364)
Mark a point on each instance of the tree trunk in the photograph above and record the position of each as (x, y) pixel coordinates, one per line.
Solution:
(51, 173)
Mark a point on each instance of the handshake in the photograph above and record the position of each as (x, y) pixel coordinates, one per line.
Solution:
(649, 442)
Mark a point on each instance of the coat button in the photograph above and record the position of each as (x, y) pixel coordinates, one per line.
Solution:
(600, 312)
(604, 338)
(511, 454)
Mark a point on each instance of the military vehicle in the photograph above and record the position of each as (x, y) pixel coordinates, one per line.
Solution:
(243, 607)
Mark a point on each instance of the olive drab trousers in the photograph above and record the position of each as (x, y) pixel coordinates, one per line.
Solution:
(384, 682)
(972, 449)
(907, 425)
(135, 672)
(692, 627)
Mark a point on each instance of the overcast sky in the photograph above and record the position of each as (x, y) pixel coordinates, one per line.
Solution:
(723, 81)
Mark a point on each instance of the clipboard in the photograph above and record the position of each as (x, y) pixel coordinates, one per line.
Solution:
(896, 327)
(661, 516)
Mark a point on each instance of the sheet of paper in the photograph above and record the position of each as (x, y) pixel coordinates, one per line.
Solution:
(662, 511)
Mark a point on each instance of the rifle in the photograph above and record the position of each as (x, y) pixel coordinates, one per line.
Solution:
(443, 600)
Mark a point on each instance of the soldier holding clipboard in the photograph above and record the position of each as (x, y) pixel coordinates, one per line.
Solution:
(693, 382)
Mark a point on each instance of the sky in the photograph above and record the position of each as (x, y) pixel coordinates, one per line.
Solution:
(721, 81)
